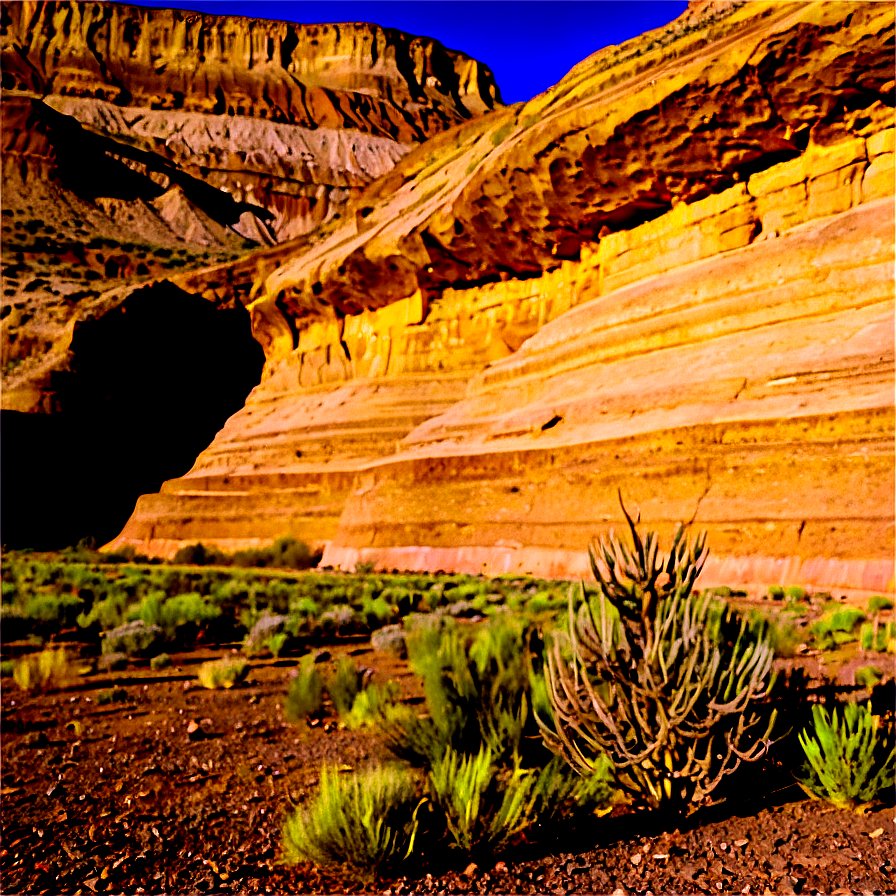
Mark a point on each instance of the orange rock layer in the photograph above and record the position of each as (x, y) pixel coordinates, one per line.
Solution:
(690, 251)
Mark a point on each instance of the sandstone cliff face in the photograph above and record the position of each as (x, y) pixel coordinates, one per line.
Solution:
(141, 146)
(670, 274)
(292, 118)
(129, 133)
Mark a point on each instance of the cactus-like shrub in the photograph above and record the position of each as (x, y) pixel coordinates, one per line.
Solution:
(658, 679)
(849, 762)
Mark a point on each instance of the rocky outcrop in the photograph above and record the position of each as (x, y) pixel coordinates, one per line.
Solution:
(671, 274)
(292, 118)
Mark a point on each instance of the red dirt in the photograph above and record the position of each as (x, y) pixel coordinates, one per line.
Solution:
(119, 798)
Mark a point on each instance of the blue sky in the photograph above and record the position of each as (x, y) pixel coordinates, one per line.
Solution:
(528, 44)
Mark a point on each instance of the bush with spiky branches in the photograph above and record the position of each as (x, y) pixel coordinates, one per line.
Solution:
(662, 681)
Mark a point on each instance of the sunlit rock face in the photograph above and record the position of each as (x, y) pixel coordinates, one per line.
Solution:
(139, 146)
(292, 118)
(671, 275)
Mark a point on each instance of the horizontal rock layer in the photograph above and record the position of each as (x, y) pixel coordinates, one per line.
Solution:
(236, 101)
(730, 363)
(670, 275)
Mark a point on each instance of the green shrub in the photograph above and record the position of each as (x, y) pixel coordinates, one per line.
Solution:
(110, 695)
(848, 763)
(878, 636)
(877, 603)
(485, 805)
(372, 703)
(276, 643)
(52, 612)
(305, 696)
(223, 673)
(134, 639)
(199, 555)
(43, 671)
(837, 626)
(776, 592)
(868, 677)
(657, 678)
(7, 667)
(366, 820)
(343, 685)
(795, 592)
(160, 661)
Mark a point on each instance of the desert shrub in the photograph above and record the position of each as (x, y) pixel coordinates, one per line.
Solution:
(366, 820)
(485, 805)
(43, 671)
(51, 612)
(377, 611)
(223, 673)
(285, 553)
(266, 627)
(371, 704)
(657, 678)
(478, 690)
(7, 667)
(878, 636)
(276, 643)
(104, 614)
(877, 603)
(180, 617)
(837, 626)
(868, 677)
(134, 639)
(160, 661)
(199, 555)
(110, 695)
(776, 592)
(795, 592)
(305, 696)
(343, 685)
(339, 619)
(849, 760)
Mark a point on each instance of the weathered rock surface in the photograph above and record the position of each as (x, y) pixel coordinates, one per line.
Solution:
(292, 118)
(671, 274)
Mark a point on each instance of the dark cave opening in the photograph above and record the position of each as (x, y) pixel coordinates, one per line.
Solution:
(150, 384)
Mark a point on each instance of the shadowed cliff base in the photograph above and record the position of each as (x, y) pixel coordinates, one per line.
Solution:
(150, 385)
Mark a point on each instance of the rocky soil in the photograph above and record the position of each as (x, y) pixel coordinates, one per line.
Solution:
(174, 789)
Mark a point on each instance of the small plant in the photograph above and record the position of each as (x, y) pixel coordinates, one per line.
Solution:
(877, 603)
(110, 695)
(878, 636)
(372, 703)
(657, 678)
(366, 821)
(7, 667)
(42, 671)
(305, 696)
(836, 627)
(160, 661)
(848, 763)
(276, 643)
(343, 685)
(484, 810)
(223, 673)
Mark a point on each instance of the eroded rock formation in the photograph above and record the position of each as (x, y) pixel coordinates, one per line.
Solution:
(292, 118)
(671, 274)
(140, 146)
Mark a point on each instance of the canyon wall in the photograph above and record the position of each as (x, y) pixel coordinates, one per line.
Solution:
(294, 119)
(671, 275)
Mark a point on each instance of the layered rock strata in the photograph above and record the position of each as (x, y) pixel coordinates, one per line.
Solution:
(292, 118)
(704, 224)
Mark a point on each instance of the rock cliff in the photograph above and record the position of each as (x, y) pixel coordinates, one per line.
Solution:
(671, 274)
(292, 118)
(141, 144)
